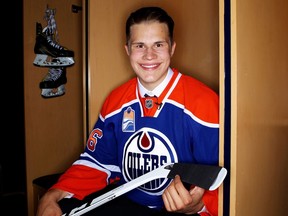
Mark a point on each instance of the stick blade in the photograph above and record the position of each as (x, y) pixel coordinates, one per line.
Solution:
(205, 176)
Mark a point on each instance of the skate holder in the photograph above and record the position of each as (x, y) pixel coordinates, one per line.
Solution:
(76, 9)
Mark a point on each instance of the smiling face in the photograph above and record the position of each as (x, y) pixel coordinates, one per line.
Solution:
(150, 51)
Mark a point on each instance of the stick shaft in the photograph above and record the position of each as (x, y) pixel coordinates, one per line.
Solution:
(160, 172)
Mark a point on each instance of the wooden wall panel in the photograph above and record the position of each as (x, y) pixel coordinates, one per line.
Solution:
(259, 108)
(54, 126)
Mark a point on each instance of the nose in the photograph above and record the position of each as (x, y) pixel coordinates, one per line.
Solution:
(149, 54)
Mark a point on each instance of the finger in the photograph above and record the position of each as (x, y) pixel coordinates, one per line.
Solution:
(170, 194)
(196, 190)
(166, 201)
(179, 196)
(180, 188)
(197, 194)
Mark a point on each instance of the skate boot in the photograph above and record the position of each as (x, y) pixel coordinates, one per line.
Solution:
(48, 52)
(53, 92)
(54, 78)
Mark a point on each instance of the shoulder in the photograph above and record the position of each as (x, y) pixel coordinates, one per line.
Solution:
(197, 98)
(119, 96)
(197, 88)
(190, 88)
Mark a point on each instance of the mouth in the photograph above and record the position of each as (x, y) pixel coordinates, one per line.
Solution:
(149, 66)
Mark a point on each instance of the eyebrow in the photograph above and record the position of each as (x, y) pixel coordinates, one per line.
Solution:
(153, 43)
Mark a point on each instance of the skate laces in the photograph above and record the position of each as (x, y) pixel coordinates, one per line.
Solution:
(54, 44)
(51, 23)
(51, 29)
(53, 74)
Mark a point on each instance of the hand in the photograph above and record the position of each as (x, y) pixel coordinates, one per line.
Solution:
(178, 199)
(48, 205)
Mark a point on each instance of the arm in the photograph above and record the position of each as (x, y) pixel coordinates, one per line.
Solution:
(48, 205)
(79, 180)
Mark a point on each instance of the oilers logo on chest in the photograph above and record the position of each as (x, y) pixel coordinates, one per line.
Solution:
(146, 150)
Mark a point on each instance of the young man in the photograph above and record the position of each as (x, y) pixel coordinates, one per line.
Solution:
(160, 116)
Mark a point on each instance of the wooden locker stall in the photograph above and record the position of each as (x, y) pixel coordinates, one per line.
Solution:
(197, 52)
(259, 107)
(53, 126)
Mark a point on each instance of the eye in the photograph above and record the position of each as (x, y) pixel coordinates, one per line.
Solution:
(158, 45)
(137, 46)
(161, 45)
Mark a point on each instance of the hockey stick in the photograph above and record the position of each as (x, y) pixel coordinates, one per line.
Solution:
(205, 176)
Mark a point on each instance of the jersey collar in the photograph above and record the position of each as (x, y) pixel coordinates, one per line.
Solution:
(159, 89)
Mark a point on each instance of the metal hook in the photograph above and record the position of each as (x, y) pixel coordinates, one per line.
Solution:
(76, 8)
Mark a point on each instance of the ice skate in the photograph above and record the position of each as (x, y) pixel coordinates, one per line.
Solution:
(48, 52)
(53, 92)
(54, 78)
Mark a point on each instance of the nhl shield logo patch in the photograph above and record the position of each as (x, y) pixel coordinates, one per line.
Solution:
(148, 103)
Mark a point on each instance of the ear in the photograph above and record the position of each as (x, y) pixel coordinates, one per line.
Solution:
(127, 50)
(173, 47)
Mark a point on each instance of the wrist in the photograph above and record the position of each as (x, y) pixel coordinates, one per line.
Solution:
(203, 210)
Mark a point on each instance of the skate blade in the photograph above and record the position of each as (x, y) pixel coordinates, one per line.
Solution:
(47, 61)
(53, 92)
